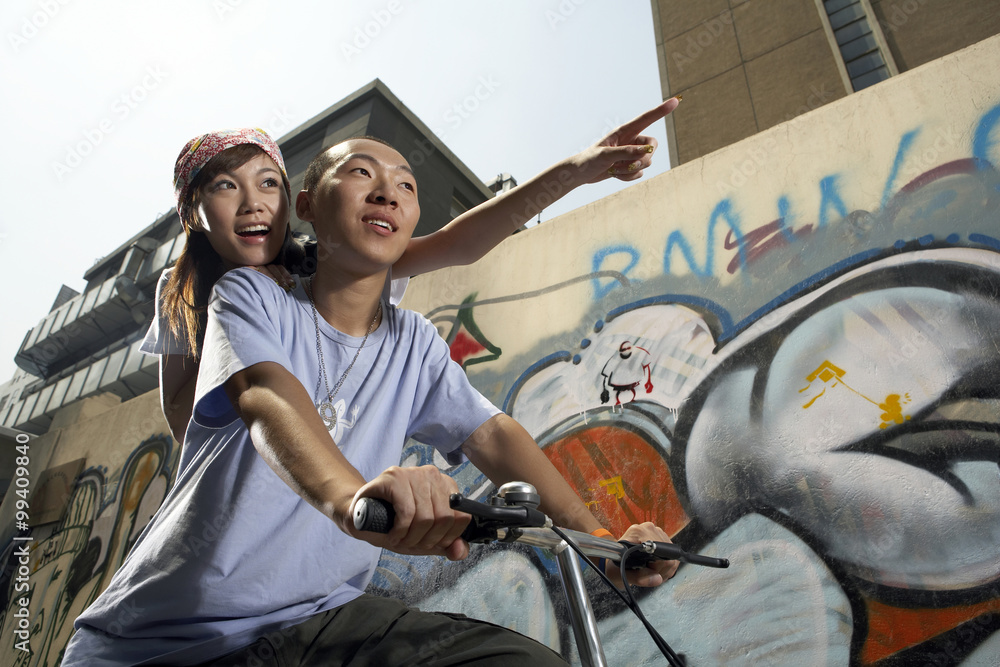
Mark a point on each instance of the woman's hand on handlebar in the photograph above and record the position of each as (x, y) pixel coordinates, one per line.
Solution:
(425, 524)
(655, 572)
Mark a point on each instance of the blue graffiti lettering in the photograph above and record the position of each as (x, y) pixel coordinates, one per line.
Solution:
(601, 290)
(722, 210)
(982, 141)
(785, 218)
(829, 196)
(905, 143)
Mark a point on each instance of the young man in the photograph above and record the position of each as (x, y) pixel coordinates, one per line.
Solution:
(302, 398)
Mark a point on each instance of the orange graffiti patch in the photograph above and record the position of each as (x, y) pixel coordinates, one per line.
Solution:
(892, 629)
(621, 478)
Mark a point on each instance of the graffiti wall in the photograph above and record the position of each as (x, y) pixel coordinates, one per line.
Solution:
(61, 567)
(786, 354)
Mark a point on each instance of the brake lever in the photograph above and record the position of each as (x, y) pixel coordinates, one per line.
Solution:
(488, 519)
(650, 551)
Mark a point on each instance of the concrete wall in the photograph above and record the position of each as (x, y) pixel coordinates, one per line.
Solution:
(811, 390)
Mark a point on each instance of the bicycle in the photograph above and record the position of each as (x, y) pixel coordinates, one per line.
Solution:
(513, 516)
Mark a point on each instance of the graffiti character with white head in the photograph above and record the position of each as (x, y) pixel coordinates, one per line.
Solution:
(625, 371)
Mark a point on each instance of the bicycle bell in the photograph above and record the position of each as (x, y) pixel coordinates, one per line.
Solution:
(519, 493)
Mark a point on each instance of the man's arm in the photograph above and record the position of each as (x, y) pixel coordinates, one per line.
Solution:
(623, 154)
(503, 450)
(289, 435)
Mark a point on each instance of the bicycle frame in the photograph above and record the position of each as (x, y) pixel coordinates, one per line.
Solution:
(581, 612)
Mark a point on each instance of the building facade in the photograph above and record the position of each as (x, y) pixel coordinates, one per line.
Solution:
(746, 65)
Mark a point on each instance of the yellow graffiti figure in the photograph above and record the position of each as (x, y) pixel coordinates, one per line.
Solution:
(893, 411)
(832, 376)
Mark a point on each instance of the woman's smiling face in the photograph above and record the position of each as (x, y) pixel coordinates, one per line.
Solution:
(244, 213)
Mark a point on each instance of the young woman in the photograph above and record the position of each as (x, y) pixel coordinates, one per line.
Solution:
(233, 198)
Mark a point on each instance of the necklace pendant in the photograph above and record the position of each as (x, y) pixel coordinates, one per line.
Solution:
(328, 414)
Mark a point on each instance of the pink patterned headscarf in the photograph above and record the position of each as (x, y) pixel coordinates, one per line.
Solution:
(201, 149)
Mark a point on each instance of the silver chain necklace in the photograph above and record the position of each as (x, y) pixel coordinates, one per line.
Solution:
(326, 410)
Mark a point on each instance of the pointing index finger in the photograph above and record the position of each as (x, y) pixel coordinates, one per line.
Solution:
(631, 129)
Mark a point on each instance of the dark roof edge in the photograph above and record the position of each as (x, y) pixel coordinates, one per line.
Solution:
(377, 87)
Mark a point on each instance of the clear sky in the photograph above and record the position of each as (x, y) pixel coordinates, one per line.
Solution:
(100, 96)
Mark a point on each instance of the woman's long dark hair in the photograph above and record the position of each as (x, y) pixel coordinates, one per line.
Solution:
(199, 266)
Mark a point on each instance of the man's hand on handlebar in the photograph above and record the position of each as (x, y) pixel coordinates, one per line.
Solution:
(654, 573)
(425, 524)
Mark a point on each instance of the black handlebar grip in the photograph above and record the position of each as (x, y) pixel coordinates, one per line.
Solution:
(708, 561)
(668, 551)
(374, 515)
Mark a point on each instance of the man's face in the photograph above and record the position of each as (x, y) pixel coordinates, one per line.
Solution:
(364, 208)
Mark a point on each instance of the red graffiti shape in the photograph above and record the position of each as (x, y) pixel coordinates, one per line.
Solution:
(464, 346)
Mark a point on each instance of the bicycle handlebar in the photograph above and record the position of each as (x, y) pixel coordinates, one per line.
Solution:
(511, 516)
(529, 526)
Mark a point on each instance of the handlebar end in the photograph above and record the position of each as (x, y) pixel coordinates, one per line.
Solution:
(374, 515)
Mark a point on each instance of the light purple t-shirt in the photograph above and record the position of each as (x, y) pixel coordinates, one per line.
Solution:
(159, 338)
(233, 552)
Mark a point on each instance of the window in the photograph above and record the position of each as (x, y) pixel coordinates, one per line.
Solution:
(860, 46)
